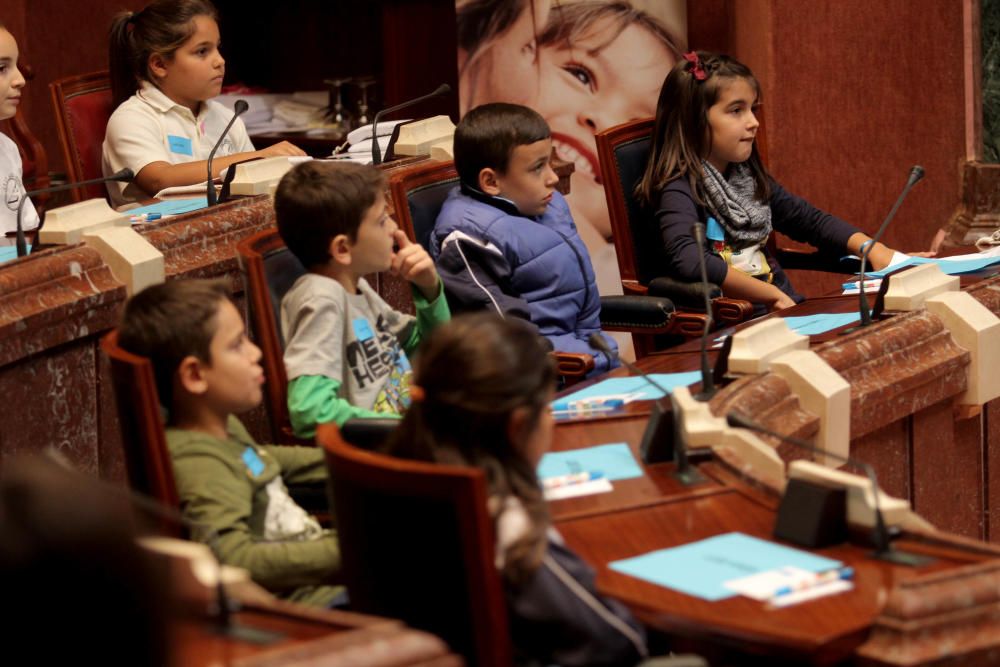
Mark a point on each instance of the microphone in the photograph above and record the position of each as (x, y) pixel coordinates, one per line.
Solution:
(376, 151)
(707, 381)
(916, 173)
(239, 108)
(123, 175)
(880, 533)
(661, 429)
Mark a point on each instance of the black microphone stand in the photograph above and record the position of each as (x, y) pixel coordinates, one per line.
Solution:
(916, 173)
(238, 109)
(376, 149)
(884, 550)
(125, 175)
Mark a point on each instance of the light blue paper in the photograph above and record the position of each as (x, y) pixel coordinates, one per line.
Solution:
(171, 206)
(812, 325)
(701, 568)
(637, 386)
(613, 462)
(7, 253)
(951, 267)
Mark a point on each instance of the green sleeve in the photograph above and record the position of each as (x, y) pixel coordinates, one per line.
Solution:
(218, 502)
(313, 399)
(299, 465)
(429, 315)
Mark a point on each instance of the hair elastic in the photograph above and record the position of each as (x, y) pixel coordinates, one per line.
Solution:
(417, 393)
(697, 71)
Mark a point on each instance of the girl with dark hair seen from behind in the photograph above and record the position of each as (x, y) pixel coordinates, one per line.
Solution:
(704, 166)
(481, 398)
(165, 69)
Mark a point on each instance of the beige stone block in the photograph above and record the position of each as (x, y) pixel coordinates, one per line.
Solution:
(257, 176)
(760, 461)
(418, 137)
(132, 259)
(697, 426)
(977, 329)
(754, 347)
(444, 150)
(824, 393)
(67, 224)
(909, 289)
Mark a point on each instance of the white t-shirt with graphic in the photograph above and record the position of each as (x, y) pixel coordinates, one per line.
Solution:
(355, 339)
(150, 127)
(13, 189)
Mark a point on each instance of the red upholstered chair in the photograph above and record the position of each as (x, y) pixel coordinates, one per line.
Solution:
(147, 460)
(83, 106)
(417, 544)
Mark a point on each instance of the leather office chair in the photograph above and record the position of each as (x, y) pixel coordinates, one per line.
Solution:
(147, 459)
(270, 269)
(417, 544)
(83, 106)
(417, 194)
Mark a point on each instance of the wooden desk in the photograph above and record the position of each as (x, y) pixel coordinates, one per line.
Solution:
(307, 636)
(863, 626)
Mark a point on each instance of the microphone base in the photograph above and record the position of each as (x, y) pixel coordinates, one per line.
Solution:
(903, 558)
(690, 477)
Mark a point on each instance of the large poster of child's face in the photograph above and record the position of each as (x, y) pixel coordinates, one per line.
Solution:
(586, 66)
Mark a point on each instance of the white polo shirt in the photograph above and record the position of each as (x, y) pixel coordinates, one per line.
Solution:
(13, 189)
(150, 127)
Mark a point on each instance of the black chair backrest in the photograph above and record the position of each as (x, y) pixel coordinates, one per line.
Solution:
(282, 269)
(647, 244)
(425, 203)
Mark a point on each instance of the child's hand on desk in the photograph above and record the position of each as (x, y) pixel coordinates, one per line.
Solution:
(781, 302)
(283, 148)
(412, 263)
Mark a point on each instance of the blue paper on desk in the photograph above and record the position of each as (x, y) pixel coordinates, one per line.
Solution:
(812, 325)
(951, 267)
(638, 387)
(613, 462)
(701, 568)
(9, 252)
(171, 206)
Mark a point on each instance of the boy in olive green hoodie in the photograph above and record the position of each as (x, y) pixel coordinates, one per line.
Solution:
(232, 490)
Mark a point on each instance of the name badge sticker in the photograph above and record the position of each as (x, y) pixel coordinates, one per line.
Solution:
(252, 461)
(180, 145)
(362, 330)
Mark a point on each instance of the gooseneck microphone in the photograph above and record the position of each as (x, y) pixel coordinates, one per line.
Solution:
(443, 89)
(916, 173)
(707, 381)
(880, 533)
(659, 427)
(238, 109)
(123, 175)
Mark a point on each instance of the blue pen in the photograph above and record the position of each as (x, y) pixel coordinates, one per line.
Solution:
(821, 578)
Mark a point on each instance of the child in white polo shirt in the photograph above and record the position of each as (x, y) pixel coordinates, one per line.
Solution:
(165, 69)
(11, 83)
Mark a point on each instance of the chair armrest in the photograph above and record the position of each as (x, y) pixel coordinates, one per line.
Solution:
(627, 313)
(368, 432)
(810, 260)
(573, 366)
(684, 295)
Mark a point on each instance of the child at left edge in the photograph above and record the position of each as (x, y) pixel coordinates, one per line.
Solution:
(345, 347)
(11, 84)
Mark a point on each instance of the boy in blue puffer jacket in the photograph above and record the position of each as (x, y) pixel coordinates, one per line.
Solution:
(505, 239)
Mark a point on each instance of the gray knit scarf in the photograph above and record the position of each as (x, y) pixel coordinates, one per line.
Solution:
(746, 220)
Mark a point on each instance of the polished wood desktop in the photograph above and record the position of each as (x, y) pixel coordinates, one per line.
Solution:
(881, 620)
